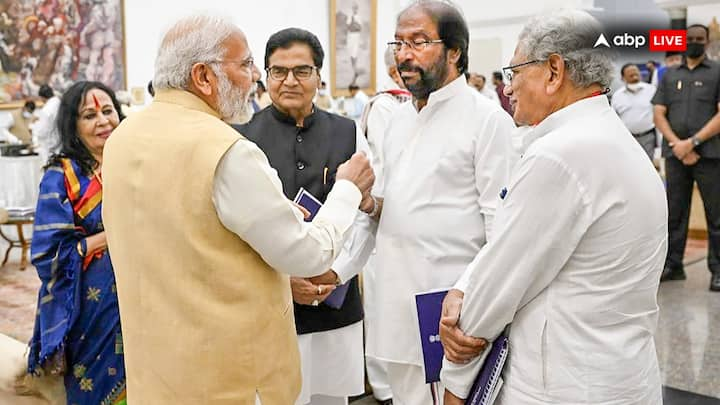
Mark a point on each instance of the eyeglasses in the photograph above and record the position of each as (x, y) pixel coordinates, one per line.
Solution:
(414, 45)
(508, 71)
(302, 72)
(247, 63)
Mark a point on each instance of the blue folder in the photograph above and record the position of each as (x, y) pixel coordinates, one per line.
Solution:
(487, 382)
(312, 204)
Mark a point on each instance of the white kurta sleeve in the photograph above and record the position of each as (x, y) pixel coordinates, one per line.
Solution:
(249, 201)
(545, 214)
(360, 240)
(494, 157)
(378, 121)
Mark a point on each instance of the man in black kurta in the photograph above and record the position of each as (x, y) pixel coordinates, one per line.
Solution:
(306, 145)
(308, 156)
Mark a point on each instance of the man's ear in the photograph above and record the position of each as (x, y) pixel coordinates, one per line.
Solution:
(203, 78)
(453, 56)
(558, 71)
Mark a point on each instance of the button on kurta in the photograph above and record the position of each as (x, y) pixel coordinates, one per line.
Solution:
(299, 138)
(300, 165)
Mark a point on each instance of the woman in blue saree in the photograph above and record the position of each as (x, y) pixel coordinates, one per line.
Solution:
(77, 329)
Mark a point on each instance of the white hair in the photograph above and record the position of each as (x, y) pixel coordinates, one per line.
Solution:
(572, 35)
(389, 58)
(197, 38)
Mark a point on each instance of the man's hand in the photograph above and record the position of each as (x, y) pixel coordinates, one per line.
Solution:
(329, 277)
(304, 292)
(682, 147)
(367, 205)
(450, 399)
(459, 348)
(357, 169)
(305, 212)
(691, 158)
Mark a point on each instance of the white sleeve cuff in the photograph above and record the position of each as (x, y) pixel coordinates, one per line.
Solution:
(459, 378)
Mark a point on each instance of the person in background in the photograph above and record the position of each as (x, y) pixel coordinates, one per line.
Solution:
(262, 98)
(478, 82)
(44, 130)
(306, 145)
(497, 80)
(77, 331)
(355, 102)
(323, 99)
(652, 77)
(23, 118)
(633, 105)
(672, 59)
(188, 197)
(579, 285)
(687, 113)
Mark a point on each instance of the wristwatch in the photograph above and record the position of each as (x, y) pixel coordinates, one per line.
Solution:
(696, 141)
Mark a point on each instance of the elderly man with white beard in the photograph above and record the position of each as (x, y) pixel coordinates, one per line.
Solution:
(578, 244)
(202, 237)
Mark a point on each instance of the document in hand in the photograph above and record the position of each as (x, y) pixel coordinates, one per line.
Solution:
(312, 204)
(488, 382)
(429, 310)
(309, 202)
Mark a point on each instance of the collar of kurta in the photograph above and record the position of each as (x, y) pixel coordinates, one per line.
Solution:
(185, 99)
(576, 111)
(448, 91)
(282, 117)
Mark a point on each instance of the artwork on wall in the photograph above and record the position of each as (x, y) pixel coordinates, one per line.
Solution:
(58, 42)
(352, 45)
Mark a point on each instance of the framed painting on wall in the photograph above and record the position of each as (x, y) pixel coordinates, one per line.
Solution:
(352, 45)
(58, 42)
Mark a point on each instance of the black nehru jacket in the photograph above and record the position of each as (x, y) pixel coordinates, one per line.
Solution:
(300, 156)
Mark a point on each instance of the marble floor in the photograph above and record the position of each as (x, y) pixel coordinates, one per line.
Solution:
(687, 340)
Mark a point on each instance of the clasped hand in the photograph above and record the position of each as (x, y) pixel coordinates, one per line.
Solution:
(684, 151)
(458, 347)
(307, 290)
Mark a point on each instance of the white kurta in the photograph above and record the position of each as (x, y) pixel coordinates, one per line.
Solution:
(378, 118)
(332, 360)
(578, 245)
(444, 168)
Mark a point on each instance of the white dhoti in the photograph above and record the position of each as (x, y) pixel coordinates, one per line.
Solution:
(409, 387)
(332, 365)
(376, 368)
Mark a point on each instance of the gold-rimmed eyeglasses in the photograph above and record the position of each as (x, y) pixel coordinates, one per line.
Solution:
(414, 45)
(302, 72)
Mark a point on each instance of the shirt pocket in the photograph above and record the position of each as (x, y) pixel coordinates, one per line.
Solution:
(704, 91)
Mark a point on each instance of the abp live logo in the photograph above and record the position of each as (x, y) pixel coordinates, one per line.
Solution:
(667, 40)
(657, 40)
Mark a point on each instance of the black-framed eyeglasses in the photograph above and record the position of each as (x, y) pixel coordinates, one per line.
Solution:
(508, 71)
(302, 72)
(414, 45)
(247, 63)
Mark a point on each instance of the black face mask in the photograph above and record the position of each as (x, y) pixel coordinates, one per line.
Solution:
(695, 50)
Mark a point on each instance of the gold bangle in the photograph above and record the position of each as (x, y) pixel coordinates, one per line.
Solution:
(79, 249)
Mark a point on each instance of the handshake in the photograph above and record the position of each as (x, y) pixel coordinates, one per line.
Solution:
(357, 170)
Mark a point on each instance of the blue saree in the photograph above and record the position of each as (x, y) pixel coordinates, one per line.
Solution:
(77, 328)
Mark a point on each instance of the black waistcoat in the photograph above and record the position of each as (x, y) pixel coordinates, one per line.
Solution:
(300, 156)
